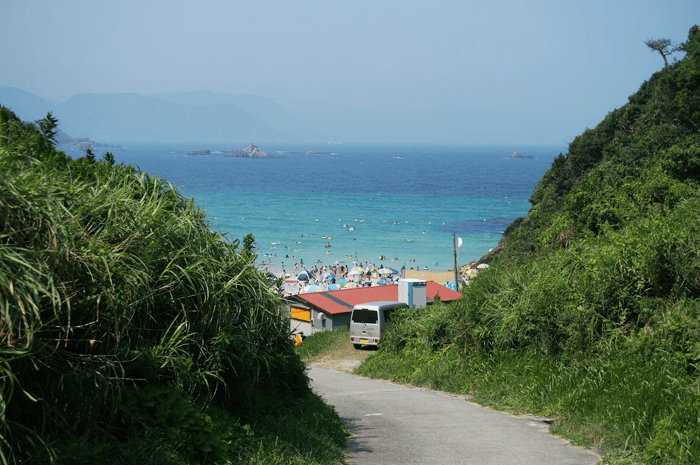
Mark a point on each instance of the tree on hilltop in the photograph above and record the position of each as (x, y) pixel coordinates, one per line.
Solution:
(663, 46)
(692, 45)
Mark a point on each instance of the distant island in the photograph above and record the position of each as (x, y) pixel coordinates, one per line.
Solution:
(517, 156)
(81, 143)
(310, 152)
(200, 152)
(250, 152)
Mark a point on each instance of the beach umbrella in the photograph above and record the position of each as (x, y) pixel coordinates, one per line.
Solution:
(312, 288)
(350, 286)
(387, 271)
(451, 285)
(305, 276)
(333, 287)
(355, 272)
(471, 272)
(482, 266)
(341, 281)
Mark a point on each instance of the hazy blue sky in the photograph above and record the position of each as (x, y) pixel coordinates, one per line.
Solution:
(576, 60)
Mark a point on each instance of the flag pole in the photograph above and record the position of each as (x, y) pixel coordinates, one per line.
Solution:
(454, 253)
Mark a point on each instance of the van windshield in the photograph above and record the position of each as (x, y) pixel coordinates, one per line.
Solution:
(364, 316)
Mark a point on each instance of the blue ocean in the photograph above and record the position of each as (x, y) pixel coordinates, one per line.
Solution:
(395, 205)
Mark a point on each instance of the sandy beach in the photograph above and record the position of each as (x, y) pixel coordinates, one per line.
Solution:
(430, 275)
(439, 276)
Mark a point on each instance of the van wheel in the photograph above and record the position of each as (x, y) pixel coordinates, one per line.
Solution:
(357, 346)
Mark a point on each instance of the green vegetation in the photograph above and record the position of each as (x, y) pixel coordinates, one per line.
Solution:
(132, 333)
(590, 312)
(323, 341)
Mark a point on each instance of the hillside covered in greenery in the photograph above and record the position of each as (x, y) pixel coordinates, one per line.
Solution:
(590, 312)
(130, 332)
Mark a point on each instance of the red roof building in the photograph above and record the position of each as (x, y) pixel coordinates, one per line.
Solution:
(321, 311)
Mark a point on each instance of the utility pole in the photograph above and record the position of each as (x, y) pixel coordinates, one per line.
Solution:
(454, 253)
(459, 262)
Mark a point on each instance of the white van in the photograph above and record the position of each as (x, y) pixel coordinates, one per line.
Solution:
(369, 321)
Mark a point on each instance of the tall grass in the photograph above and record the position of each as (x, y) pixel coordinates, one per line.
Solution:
(111, 284)
(322, 341)
(590, 312)
(615, 402)
(603, 335)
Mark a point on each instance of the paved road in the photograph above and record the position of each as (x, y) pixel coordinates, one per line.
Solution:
(394, 424)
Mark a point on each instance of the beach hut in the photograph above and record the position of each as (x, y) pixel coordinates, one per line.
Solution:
(328, 310)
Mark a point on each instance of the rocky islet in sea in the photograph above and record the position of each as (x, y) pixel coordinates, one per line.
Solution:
(252, 151)
(517, 156)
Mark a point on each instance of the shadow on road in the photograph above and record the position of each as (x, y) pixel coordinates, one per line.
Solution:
(362, 434)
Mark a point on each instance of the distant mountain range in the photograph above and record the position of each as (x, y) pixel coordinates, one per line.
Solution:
(238, 119)
(184, 116)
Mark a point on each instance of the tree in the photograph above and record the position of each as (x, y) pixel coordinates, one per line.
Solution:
(663, 46)
(692, 45)
(109, 158)
(48, 126)
(89, 155)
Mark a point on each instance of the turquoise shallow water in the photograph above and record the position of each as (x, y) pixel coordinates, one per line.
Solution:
(432, 192)
(300, 223)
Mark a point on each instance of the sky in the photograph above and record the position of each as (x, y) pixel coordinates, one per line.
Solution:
(564, 60)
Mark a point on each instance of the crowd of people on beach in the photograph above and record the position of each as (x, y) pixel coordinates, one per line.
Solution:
(339, 268)
(359, 270)
(351, 272)
(320, 277)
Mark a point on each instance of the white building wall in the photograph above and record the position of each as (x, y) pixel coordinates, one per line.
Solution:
(297, 326)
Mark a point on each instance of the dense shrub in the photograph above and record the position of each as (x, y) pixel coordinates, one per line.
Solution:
(590, 312)
(657, 127)
(126, 323)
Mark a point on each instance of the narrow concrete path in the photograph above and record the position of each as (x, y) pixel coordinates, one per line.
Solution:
(394, 424)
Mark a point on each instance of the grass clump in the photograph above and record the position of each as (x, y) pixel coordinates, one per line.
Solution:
(615, 400)
(590, 312)
(323, 341)
(130, 331)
